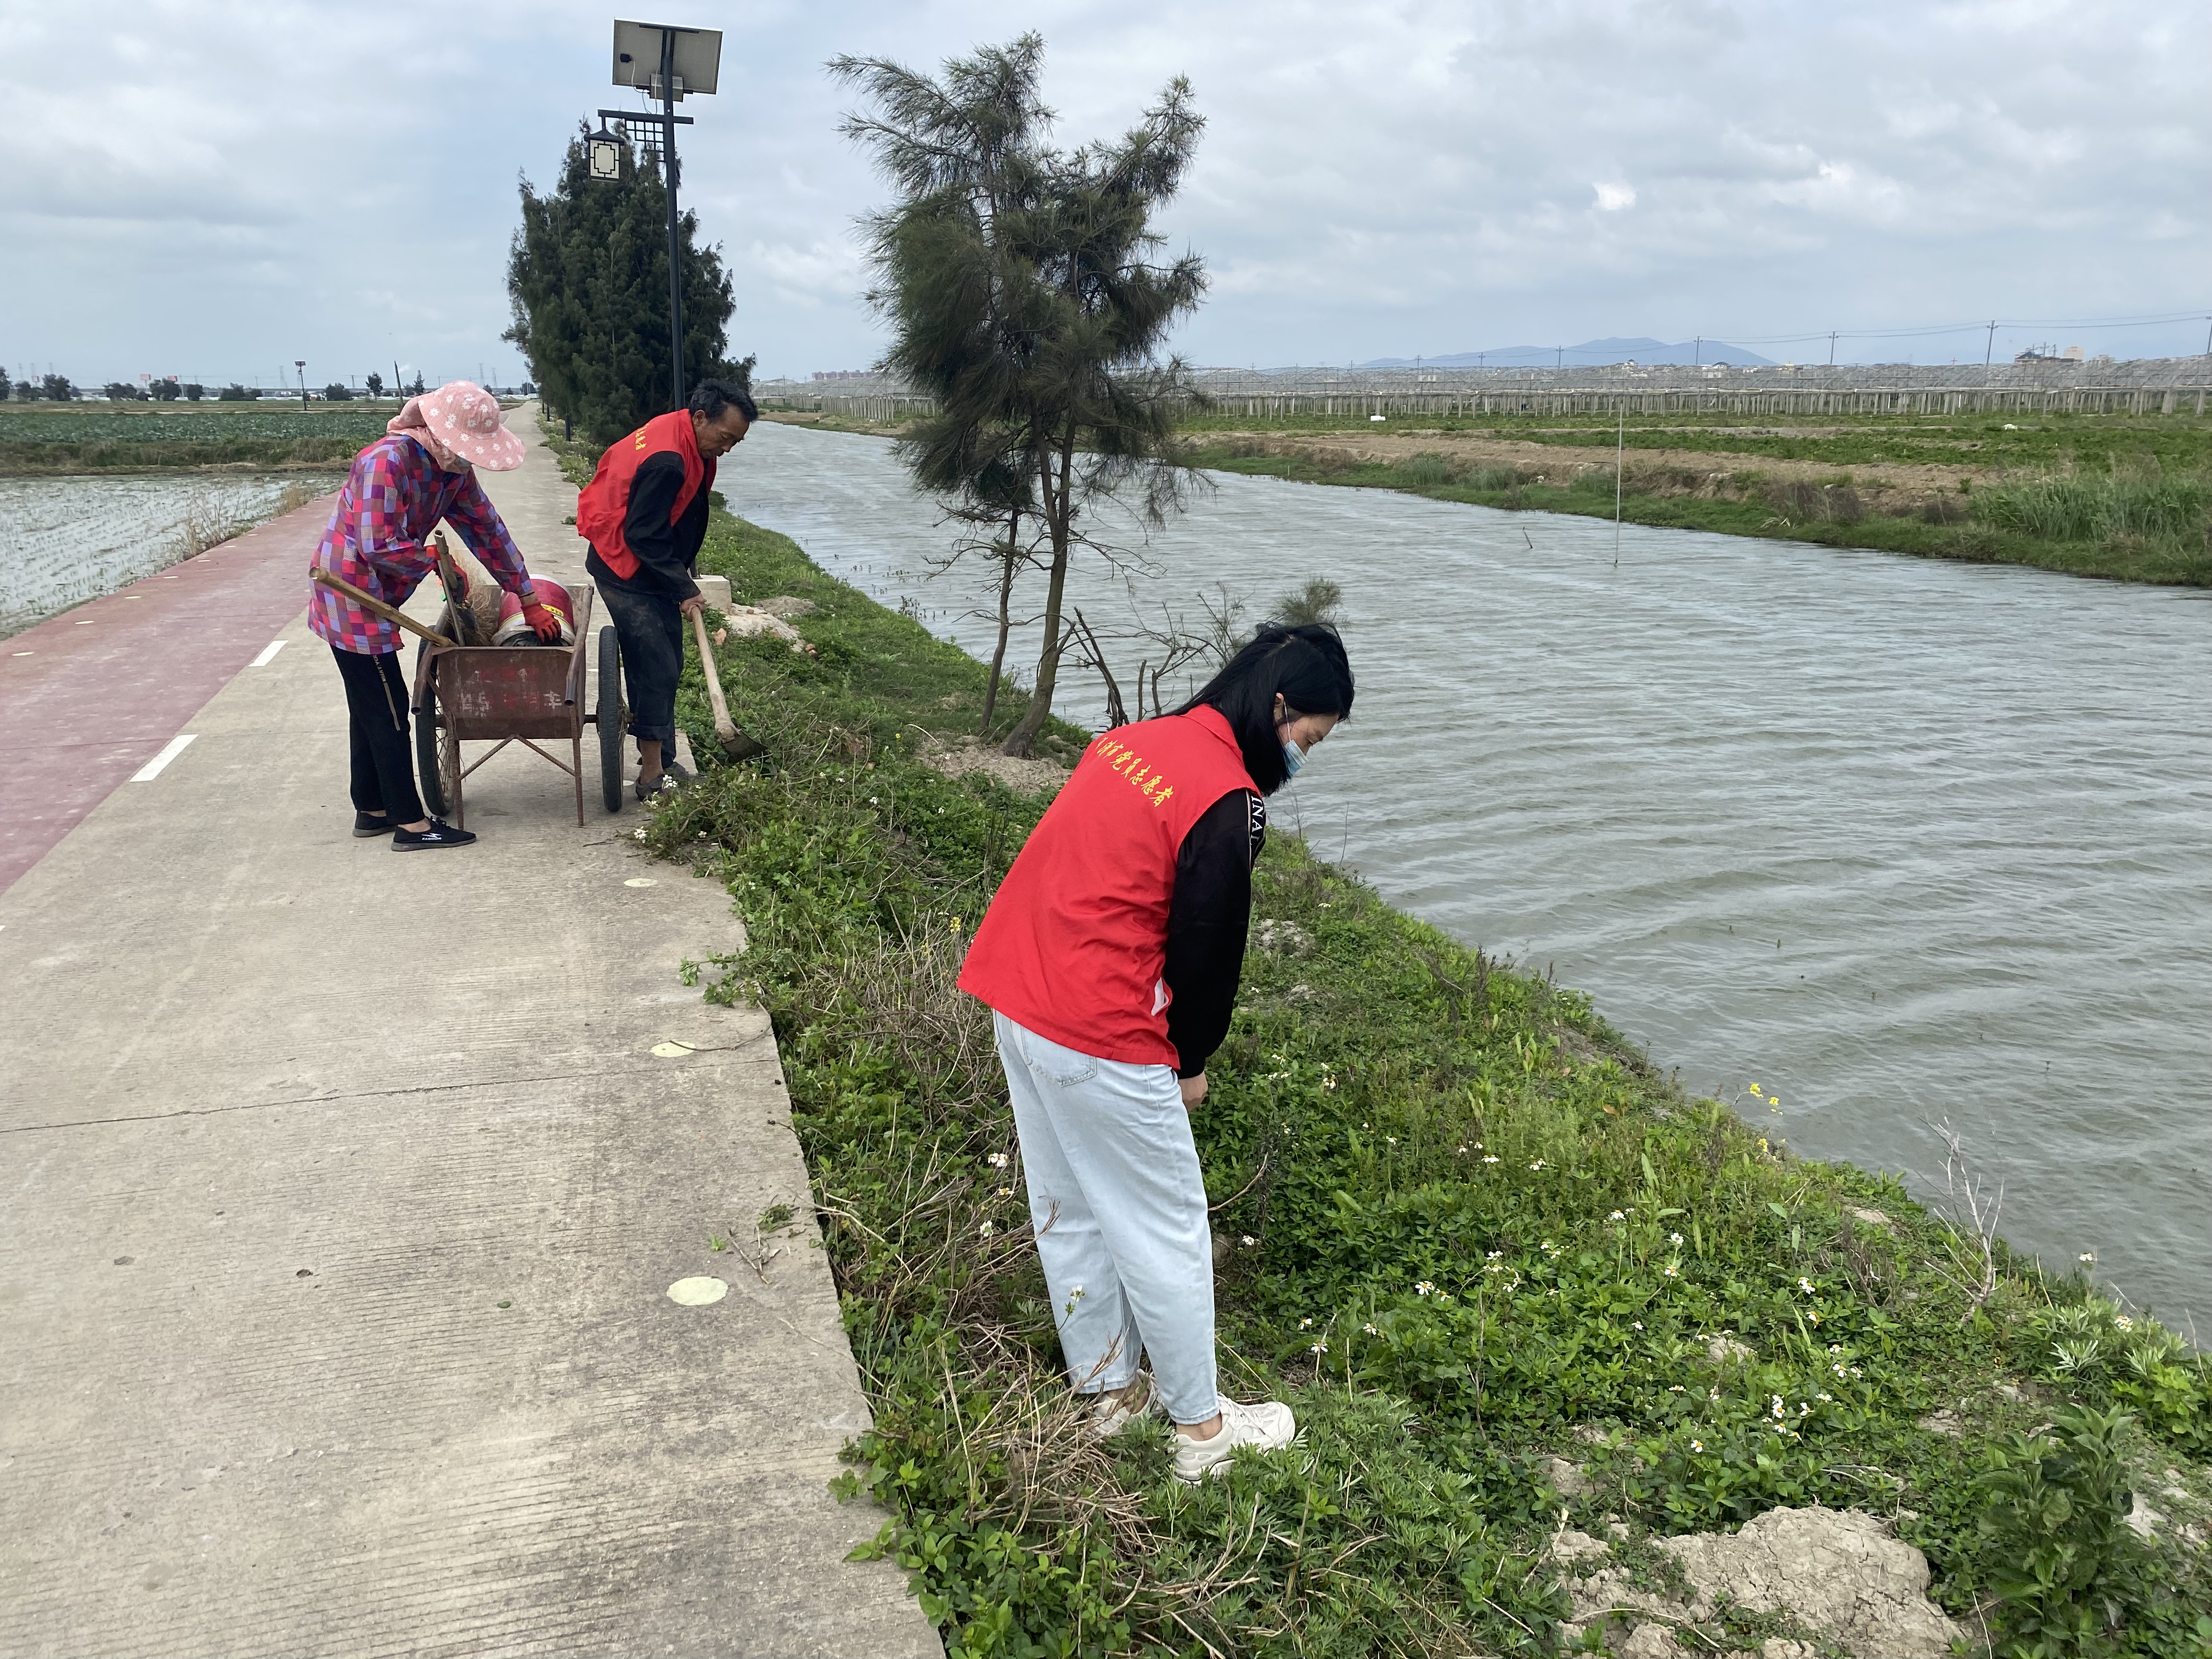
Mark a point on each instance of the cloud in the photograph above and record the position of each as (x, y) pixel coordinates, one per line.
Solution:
(261, 179)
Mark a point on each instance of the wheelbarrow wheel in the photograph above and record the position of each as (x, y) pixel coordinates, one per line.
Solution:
(610, 719)
(429, 765)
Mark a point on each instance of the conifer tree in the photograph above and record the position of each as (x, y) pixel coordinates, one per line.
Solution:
(1018, 282)
(588, 277)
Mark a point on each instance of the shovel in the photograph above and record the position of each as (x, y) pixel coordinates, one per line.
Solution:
(735, 743)
(377, 607)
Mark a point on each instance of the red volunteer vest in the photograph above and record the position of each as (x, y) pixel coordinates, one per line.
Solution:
(604, 503)
(1074, 945)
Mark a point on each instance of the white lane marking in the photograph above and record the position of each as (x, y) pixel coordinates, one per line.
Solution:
(170, 751)
(268, 654)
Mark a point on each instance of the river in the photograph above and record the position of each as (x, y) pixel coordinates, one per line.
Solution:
(1896, 840)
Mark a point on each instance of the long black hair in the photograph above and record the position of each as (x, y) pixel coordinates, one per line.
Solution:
(1305, 664)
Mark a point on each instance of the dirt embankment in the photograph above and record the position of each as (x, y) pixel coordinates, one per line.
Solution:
(1884, 485)
(831, 422)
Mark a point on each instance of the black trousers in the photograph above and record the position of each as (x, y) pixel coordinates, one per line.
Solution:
(651, 629)
(383, 759)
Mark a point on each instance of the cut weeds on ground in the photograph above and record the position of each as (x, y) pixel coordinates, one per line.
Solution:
(1462, 1228)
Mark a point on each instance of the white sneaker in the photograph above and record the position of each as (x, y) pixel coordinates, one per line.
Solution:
(1266, 1426)
(1107, 1414)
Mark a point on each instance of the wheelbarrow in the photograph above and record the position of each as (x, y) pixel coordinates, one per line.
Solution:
(506, 694)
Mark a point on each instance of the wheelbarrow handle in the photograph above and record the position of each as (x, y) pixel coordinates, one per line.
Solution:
(377, 607)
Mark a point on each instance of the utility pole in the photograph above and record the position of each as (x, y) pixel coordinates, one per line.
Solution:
(300, 363)
(1989, 345)
(669, 178)
(694, 68)
(1698, 353)
(1619, 456)
(1832, 348)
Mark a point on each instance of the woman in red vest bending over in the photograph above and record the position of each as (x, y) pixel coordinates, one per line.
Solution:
(644, 515)
(1109, 959)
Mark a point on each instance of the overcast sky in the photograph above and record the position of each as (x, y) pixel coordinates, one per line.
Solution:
(214, 189)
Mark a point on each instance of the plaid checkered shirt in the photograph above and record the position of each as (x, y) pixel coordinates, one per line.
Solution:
(394, 498)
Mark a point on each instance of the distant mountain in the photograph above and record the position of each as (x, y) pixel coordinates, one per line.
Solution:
(1589, 353)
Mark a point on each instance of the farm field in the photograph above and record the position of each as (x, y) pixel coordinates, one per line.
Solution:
(53, 439)
(63, 541)
(1968, 443)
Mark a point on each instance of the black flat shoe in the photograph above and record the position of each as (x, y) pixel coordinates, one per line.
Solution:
(439, 834)
(364, 826)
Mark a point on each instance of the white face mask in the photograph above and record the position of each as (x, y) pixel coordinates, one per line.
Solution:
(1293, 758)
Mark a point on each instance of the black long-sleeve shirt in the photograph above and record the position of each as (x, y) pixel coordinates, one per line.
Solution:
(667, 553)
(1208, 917)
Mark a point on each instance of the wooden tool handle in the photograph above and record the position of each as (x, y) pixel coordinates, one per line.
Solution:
(377, 607)
(725, 727)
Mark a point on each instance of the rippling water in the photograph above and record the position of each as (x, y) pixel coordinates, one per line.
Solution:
(1896, 840)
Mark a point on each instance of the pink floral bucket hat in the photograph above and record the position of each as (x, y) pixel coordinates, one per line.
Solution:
(460, 419)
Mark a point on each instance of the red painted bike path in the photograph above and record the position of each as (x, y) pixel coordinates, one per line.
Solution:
(90, 696)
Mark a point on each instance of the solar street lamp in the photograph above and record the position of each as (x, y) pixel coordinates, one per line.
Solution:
(300, 363)
(668, 62)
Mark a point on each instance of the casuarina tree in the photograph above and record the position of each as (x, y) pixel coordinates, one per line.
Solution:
(588, 277)
(1020, 283)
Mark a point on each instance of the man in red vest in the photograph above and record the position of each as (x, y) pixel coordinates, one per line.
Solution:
(644, 515)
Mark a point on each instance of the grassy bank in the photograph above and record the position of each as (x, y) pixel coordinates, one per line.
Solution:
(2131, 527)
(2175, 443)
(1461, 1226)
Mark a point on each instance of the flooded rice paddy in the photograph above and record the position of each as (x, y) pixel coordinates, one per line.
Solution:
(65, 540)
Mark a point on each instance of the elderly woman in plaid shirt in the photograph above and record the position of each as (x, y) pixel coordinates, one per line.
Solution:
(420, 471)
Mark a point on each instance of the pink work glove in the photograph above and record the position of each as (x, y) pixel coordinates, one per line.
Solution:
(543, 620)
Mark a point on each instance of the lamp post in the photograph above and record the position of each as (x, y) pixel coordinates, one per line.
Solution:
(666, 61)
(300, 363)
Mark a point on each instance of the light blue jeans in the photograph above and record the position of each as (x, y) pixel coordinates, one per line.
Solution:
(1119, 1207)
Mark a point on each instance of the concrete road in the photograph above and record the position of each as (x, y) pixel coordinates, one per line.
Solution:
(340, 1193)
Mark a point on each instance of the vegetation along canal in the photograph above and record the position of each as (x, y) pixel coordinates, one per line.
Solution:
(1894, 840)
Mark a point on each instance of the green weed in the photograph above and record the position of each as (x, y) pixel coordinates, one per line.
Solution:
(1462, 1227)
(2074, 507)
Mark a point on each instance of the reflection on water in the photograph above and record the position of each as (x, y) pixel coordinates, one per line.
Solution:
(1895, 839)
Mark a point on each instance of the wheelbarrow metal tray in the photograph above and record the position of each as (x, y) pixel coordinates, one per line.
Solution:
(508, 691)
